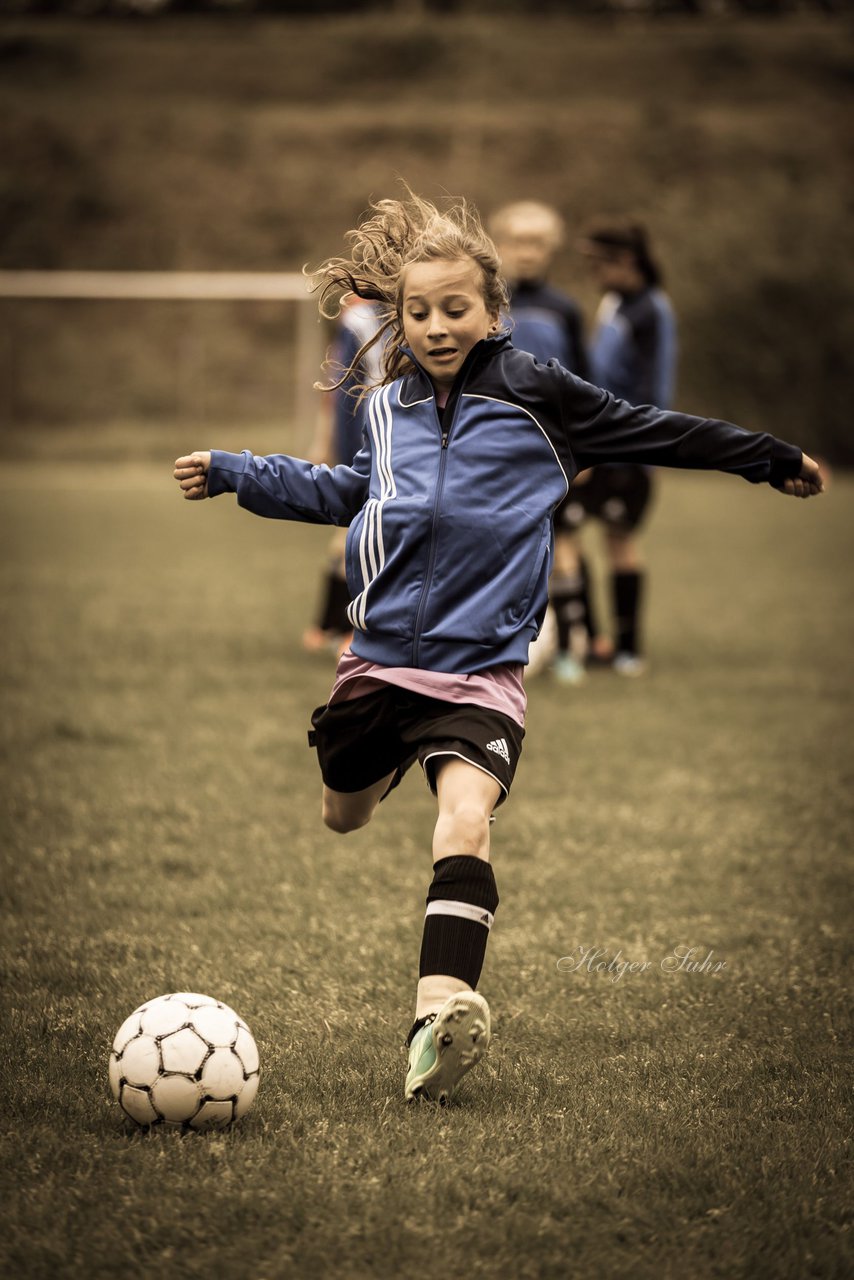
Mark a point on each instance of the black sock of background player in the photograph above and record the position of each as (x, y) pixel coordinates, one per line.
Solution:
(567, 596)
(336, 597)
(587, 599)
(628, 597)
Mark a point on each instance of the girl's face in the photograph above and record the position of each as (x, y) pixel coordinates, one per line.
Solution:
(444, 315)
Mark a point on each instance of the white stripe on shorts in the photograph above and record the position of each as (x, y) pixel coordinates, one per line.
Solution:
(468, 911)
(459, 755)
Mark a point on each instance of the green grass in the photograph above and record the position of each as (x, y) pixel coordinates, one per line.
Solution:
(161, 832)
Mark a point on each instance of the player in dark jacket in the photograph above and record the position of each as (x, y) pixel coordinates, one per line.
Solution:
(632, 355)
(548, 324)
(470, 447)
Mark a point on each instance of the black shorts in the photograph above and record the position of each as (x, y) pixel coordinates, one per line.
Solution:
(364, 739)
(618, 494)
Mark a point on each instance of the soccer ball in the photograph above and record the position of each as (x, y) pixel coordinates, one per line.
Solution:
(184, 1061)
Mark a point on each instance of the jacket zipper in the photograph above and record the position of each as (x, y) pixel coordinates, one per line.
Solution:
(431, 559)
(450, 417)
(445, 428)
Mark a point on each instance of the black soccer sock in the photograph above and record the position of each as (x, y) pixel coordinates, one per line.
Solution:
(336, 597)
(567, 596)
(628, 594)
(587, 599)
(461, 905)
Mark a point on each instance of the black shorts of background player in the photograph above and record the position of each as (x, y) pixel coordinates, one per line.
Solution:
(618, 496)
(633, 355)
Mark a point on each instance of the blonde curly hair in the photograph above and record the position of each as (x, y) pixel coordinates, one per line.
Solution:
(392, 236)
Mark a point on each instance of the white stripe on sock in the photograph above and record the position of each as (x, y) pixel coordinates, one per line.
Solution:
(467, 910)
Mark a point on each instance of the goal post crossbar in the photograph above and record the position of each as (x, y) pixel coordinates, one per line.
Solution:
(287, 286)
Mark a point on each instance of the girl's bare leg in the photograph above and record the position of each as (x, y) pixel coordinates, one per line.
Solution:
(466, 798)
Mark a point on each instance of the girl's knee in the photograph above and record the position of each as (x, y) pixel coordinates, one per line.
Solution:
(465, 829)
(343, 818)
(624, 552)
(567, 558)
(345, 811)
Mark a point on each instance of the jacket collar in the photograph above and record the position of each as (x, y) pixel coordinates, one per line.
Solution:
(418, 381)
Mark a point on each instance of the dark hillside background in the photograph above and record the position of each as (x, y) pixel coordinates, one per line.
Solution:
(202, 142)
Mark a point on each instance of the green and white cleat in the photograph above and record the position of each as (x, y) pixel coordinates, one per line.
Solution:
(629, 664)
(568, 670)
(448, 1046)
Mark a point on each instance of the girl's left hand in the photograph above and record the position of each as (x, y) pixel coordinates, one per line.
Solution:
(809, 483)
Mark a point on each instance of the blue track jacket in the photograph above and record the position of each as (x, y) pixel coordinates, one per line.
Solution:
(449, 546)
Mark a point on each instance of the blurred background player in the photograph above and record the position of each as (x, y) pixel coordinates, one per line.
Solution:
(341, 423)
(632, 355)
(548, 324)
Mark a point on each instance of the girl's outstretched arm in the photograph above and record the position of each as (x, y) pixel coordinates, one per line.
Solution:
(600, 428)
(278, 486)
(192, 474)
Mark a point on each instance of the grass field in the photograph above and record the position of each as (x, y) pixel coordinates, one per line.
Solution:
(161, 833)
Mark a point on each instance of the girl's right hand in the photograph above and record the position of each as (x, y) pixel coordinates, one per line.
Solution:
(192, 474)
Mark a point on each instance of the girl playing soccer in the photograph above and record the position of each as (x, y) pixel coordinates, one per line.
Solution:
(470, 446)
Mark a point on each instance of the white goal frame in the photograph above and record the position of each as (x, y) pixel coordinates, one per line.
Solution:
(200, 286)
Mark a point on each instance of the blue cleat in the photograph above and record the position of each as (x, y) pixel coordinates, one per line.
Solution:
(447, 1046)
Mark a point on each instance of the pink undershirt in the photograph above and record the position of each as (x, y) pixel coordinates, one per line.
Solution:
(498, 688)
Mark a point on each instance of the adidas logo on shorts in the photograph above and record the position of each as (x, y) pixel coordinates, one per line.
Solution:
(499, 746)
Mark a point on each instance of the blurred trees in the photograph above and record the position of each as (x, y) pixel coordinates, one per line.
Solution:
(252, 144)
(421, 8)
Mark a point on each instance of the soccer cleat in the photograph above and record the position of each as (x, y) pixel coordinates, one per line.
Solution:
(568, 670)
(629, 664)
(452, 1042)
